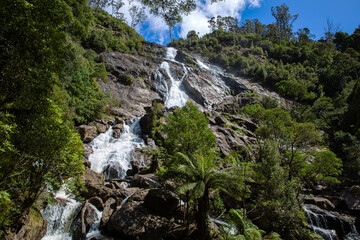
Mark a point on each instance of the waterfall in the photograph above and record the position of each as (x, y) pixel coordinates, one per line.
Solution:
(113, 156)
(329, 225)
(94, 231)
(175, 95)
(61, 216)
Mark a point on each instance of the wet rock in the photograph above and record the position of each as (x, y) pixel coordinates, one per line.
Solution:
(117, 130)
(321, 202)
(87, 164)
(90, 216)
(87, 133)
(94, 183)
(109, 185)
(117, 185)
(145, 181)
(88, 150)
(97, 202)
(162, 202)
(109, 208)
(134, 221)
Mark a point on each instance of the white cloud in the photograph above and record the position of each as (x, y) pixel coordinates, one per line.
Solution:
(198, 20)
(155, 29)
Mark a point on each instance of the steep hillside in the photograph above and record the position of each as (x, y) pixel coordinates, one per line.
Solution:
(235, 135)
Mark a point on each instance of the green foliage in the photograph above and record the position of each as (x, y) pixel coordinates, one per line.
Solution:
(187, 131)
(86, 101)
(7, 208)
(292, 90)
(201, 174)
(324, 167)
(245, 228)
(351, 120)
(126, 79)
(110, 33)
(277, 196)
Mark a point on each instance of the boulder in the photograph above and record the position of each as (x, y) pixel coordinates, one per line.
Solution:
(87, 164)
(145, 181)
(97, 202)
(88, 150)
(109, 208)
(134, 221)
(162, 202)
(117, 130)
(139, 196)
(90, 216)
(87, 133)
(101, 126)
(94, 183)
(321, 202)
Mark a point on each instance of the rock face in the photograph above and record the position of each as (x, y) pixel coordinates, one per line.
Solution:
(233, 132)
(136, 96)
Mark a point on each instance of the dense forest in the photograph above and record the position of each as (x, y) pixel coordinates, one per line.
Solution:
(51, 69)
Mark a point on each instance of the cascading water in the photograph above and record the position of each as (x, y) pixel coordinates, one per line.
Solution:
(60, 216)
(113, 156)
(175, 94)
(328, 225)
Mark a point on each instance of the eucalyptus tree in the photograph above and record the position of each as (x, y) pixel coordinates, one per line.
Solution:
(137, 14)
(171, 11)
(284, 21)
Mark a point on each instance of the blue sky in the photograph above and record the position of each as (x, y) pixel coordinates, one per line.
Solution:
(312, 14)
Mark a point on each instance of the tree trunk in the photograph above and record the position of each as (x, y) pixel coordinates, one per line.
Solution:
(202, 216)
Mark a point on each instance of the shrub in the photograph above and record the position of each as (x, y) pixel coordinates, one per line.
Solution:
(126, 79)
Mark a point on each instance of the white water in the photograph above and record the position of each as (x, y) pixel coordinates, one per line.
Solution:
(113, 156)
(94, 231)
(319, 224)
(175, 96)
(60, 216)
